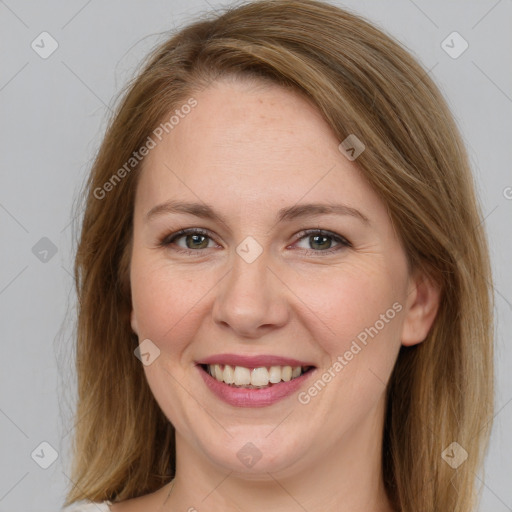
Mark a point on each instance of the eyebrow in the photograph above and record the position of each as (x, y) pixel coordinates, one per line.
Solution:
(284, 214)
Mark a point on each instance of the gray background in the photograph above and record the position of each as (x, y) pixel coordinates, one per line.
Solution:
(53, 114)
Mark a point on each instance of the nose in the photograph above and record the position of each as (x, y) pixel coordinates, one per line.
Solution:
(251, 300)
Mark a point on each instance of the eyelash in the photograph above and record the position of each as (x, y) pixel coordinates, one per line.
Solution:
(170, 239)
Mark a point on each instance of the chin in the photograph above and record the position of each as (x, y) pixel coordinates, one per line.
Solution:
(254, 453)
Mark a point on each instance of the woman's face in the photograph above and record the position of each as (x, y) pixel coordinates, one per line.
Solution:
(259, 286)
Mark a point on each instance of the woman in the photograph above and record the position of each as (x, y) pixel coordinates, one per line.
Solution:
(283, 279)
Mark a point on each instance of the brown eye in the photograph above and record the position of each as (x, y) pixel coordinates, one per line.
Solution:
(195, 241)
(322, 241)
(188, 239)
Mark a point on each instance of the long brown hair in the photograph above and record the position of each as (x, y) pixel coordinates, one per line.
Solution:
(364, 83)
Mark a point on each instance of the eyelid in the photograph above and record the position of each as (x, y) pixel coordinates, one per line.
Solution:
(323, 232)
(168, 239)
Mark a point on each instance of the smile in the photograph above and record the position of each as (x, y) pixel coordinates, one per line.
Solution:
(253, 381)
(255, 378)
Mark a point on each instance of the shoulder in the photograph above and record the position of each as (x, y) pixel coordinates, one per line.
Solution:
(88, 506)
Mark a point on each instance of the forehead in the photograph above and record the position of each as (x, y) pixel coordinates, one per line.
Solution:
(253, 144)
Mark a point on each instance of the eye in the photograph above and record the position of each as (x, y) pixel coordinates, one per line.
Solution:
(320, 240)
(193, 240)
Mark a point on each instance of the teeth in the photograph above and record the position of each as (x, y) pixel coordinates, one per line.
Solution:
(286, 373)
(242, 376)
(274, 374)
(259, 377)
(297, 370)
(253, 378)
(228, 375)
(218, 373)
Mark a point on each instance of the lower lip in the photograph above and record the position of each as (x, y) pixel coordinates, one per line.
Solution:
(242, 397)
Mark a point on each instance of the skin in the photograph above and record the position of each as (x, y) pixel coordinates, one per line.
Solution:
(249, 149)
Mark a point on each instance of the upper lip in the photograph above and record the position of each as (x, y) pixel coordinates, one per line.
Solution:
(252, 361)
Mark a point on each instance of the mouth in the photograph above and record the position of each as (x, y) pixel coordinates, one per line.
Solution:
(254, 378)
(253, 381)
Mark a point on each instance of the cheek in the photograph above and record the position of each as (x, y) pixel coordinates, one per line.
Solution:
(356, 317)
(348, 303)
(166, 302)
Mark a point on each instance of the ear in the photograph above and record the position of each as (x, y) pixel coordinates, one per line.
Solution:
(422, 306)
(133, 322)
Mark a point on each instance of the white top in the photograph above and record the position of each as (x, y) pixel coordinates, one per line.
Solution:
(88, 506)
